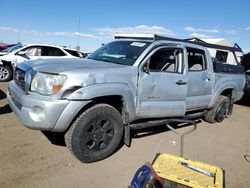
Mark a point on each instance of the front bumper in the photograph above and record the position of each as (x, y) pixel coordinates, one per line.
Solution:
(42, 113)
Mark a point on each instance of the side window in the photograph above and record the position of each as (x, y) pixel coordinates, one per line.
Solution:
(51, 51)
(34, 51)
(166, 60)
(196, 59)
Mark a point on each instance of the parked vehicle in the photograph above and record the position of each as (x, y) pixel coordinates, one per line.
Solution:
(10, 49)
(4, 46)
(76, 53)
(10, 57)
(247, 86)
(245, 61)
(130, 83)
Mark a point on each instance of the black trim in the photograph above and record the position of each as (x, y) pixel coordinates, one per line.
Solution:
(154, 123)
(69, 91)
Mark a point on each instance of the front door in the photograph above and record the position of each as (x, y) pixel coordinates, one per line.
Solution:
(162, 84)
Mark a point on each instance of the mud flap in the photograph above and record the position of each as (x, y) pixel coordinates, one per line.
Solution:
(127, 137)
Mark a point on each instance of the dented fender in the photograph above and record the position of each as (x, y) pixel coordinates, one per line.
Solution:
(107, 89)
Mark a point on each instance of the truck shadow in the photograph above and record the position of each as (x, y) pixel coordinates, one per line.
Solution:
(2, 95)
(245, 101)
(55, 138)
(58, 138)
(5, 109)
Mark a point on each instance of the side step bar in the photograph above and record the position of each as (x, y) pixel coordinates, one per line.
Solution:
(154, 123)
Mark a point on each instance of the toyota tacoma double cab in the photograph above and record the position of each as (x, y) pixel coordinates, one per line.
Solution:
(132, 79)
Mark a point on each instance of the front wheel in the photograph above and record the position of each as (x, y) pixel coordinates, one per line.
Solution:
(95, 134)
(219, 111)
(5, 73)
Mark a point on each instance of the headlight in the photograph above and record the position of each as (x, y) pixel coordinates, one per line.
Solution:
(47, 84)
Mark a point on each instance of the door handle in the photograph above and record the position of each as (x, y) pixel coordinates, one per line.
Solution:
(181, 82)
(207, 79)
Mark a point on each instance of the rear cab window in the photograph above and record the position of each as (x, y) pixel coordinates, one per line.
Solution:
(196, 59)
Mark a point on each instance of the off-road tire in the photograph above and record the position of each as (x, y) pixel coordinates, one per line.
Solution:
(5, 73)
(95, 134)
(219, 111)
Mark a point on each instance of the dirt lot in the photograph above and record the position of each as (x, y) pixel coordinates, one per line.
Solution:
(29, 159)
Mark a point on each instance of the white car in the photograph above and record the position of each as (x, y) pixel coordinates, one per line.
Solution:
(10, 57)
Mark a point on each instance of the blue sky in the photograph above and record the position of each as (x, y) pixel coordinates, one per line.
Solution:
(95, 22)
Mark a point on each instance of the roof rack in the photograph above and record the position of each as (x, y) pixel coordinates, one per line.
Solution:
(194, 40)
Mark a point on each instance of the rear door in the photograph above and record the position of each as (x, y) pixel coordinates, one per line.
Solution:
(162, 84)
(199, 90)
(49, 52)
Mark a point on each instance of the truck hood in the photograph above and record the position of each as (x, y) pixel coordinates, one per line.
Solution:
(85, 72)
(63, 65)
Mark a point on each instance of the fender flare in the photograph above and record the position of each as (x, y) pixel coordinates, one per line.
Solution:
(220, 91)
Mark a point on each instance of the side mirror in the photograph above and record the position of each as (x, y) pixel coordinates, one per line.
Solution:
(21, 53)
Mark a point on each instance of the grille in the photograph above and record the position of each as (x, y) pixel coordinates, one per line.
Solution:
(19, 78)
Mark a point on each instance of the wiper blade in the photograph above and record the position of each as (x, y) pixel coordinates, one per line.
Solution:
(99, 59)
(105, 60)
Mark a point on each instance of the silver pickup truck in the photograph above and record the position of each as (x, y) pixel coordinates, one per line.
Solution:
(132, 79)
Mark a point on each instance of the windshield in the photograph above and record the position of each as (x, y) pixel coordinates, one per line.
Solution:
(13, 48)
(120, 52)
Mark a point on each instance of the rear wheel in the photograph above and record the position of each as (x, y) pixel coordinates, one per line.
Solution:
(219, 111)
(5, 73)
(95, 134)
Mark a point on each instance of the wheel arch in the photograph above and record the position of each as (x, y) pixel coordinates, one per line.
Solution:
(227, 92)
(118, 95)
(116, 101)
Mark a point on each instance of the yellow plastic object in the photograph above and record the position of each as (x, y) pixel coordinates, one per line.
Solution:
(196, 174)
